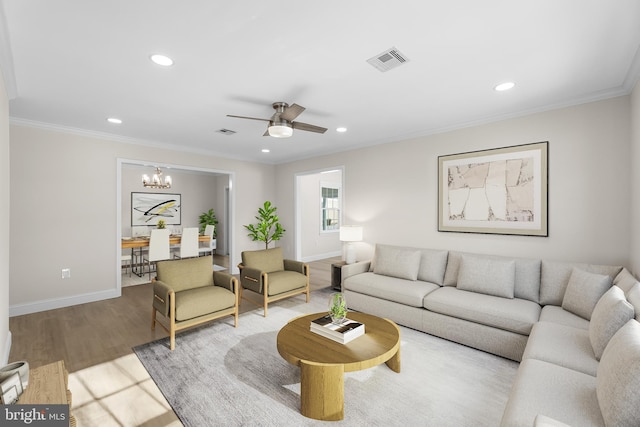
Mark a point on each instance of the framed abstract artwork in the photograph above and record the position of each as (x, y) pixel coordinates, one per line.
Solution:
(496, 191)
(148, 208)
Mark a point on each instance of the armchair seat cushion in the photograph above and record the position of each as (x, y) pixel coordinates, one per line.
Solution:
(202, 301)
(285, 281)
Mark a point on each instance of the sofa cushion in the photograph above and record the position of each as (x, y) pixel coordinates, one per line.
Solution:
(633, 296)
(563, 346)
(514, 315)
(395, 261)
(618, 379)
(625, 280)
(433, 264)
(583, 292)
(560, 393)
(611, 313)
(527, 278)
(285, 281)
(387, 288)
(555, 277)
(555, 314)
(200, 301)
(267, 260)
(487, 276)
(188, 273)
(544, 421)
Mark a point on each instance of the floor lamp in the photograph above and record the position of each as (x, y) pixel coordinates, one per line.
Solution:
(350, 234)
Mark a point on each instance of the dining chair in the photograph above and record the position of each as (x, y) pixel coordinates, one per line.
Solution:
(158, 247)
(211, 245)
(129, 262)
(188, 243)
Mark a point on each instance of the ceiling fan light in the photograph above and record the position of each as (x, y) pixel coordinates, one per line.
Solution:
(280, 131)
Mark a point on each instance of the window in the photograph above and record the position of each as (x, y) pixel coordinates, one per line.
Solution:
(330, 204)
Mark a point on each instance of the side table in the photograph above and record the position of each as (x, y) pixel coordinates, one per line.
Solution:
(336, 275)
(48, 384)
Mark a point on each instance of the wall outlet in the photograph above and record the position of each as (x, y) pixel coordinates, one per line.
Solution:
(66, 273)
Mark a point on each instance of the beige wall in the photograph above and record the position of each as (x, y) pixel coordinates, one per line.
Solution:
(64, 213)
(391, 189)
(5, 336)
(634, 189)
(315, 244)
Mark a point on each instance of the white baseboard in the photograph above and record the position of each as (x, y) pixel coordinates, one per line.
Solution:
(321, 256)
(7, 349)
(51, 304)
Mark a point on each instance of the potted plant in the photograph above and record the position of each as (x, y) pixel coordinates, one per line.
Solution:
(268, 229)
(161, 224)
(337, 308)
(208, 218)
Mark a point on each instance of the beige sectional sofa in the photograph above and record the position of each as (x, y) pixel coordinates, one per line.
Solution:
(572, 326)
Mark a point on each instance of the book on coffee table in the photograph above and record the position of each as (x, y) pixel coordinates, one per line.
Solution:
(346, 331)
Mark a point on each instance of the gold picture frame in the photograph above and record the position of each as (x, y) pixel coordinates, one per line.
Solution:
(496, 191)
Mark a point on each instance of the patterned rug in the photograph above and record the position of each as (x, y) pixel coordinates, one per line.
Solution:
(219, 375)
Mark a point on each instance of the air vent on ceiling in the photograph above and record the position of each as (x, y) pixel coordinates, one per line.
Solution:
(390, 58)
(226, 131)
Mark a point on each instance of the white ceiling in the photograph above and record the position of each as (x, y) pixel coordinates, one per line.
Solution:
(73, 63)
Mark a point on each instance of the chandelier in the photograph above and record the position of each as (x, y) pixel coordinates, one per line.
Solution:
(156, 180)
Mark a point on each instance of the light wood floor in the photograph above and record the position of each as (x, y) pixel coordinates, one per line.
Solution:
(109, 385)
(90, 334)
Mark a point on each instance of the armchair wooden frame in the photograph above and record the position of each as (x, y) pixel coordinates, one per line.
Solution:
(266, 299)
(174, 326)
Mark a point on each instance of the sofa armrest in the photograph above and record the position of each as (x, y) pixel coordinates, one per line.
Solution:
(355, 268)
(297, 266)
(161, 297)
(250, 278)
(225, 280)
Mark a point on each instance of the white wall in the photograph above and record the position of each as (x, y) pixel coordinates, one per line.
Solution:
(5, 335)
(64, 214)
(391, 189)
(315, 244)
(198, 194)
(634, 190)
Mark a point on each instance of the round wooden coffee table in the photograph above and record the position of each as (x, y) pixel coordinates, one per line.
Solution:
(323, 361)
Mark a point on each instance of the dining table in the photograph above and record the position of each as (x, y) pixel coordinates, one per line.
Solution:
(143, 241)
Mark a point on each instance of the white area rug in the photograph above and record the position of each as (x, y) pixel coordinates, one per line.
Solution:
(225, 376)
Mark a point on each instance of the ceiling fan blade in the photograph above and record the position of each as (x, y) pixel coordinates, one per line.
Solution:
(291, 112)
(250, 118)
(308, 127)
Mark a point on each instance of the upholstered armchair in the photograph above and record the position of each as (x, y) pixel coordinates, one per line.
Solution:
(187, 292)
(266, 273)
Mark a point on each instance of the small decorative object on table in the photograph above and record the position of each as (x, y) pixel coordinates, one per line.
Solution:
(337, 308)
(161, 223)
(343, 332)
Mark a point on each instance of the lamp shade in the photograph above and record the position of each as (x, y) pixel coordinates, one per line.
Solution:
(350, 233)
(280, 131)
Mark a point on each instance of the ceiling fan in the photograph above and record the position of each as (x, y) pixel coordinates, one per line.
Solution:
(281, 124)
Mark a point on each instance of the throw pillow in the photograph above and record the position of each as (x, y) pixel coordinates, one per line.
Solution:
(618, 378)
(486, 275)
(633, 296)
(611, 313)
(583, 292)
(397, 262)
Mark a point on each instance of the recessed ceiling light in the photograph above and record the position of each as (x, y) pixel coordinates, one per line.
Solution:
(165, 61)
(114, 120)
(266, 150)
(341, 129)
(504, 86)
